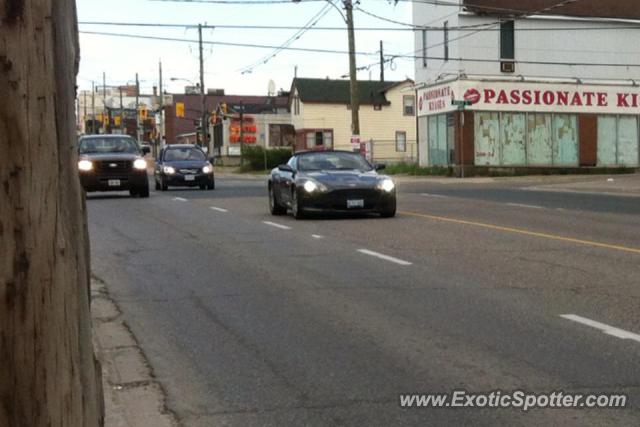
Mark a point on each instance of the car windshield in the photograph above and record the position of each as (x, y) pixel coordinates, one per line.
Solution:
(333, 161)
(181, 154)
(108, 145)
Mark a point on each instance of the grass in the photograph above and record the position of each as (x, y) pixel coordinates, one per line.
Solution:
(404, 168)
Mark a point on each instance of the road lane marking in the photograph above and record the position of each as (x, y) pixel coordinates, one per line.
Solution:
(526, 232)
(218, 209)
(384, 257)
(179, 199)
(437, 196)
(609, 330)
(273, 224)
(317, 236)
(521, 205)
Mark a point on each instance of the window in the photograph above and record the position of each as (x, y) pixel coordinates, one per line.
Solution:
(507, 40)
(319, 138)
(618, 141)
(296, 105)
(401, 141)
(328, 139)
(446, 41)
(409, 105)
(424, 48)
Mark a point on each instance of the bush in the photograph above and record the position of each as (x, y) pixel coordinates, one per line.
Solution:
(254, 158)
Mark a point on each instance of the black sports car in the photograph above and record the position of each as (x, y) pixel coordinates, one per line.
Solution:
(112, 163)
(330, 181)
(184, 165)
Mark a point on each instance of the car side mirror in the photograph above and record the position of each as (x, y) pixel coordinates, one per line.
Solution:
(146, 150)
(285, 168)
(211, 159)
(380, 166)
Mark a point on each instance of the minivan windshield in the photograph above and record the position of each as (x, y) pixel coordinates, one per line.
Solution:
(108, 145)
(333, 161)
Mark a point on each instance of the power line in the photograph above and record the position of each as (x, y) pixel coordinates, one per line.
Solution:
(315, 50)
(313, 21)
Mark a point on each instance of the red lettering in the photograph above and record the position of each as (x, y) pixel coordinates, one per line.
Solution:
(526, 97)
(563, 98)
(503, 98)
(589, 96)
(536, 97)
(577, 100)
(548, 98)
(634, 100)
(602, 99)
(515, 97)
(489, 95)
(623, 100)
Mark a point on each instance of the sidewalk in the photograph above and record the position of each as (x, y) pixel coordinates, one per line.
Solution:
(132, 396)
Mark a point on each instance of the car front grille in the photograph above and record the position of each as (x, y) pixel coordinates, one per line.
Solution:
(189, 171)
(113, 167)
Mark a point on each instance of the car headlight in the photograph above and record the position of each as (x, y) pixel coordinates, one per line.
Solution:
(207, 169)
(311, 186)
(168, 170)
(85, 165)
(140, 164)
(386, 185)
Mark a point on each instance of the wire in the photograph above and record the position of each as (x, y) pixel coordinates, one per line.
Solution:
(257, 46)
(313, 21)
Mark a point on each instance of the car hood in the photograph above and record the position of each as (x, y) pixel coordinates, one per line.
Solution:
(186, 164)
(344, 179)
(110, 156)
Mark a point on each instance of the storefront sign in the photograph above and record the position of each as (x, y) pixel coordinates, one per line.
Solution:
(530, 97)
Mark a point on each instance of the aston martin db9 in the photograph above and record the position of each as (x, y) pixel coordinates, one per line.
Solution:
(330, 181)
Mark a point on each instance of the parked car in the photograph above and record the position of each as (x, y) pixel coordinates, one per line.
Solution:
(112, 163)
(330, 181)
(182, 165)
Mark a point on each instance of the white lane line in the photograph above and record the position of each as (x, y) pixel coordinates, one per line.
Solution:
(609, 330)
(384, 257)
(437, 196)
(179, 199)
(218, 209)
(520, 205)
(273, 224)
(317, 236)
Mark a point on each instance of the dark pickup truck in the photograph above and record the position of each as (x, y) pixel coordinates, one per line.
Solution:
(113, 163)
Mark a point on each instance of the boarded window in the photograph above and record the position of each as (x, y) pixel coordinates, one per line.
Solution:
(565, 144)
(607, 141)
(539, 140)
(514, 134)
(487, 138)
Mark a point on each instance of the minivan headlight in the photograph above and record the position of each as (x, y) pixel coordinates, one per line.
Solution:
(85, 165)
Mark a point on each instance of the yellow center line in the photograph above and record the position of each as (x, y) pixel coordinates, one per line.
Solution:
(525, 232)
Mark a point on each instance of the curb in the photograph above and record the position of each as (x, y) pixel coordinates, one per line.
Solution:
(132, 395)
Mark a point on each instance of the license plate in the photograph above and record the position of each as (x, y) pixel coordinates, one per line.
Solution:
(353, 204)
(189, 177)
(113, 183)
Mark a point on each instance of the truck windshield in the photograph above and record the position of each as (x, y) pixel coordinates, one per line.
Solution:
(108, 145)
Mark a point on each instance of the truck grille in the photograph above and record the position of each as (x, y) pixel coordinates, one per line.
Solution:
(113, 167)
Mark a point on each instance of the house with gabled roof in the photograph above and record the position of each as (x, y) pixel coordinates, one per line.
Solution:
(321, 114)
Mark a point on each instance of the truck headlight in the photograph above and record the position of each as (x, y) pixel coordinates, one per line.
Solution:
(168, 170)
(386, 185)
(140, 164)
(85, 165)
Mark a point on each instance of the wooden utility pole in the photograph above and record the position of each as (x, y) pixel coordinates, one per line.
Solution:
(353, 72)
(203, 117)
(137, 109)
(381, 61)
(49, 376)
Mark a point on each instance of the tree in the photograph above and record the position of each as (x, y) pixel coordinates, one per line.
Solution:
(48, 373)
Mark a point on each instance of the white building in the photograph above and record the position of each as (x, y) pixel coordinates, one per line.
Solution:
(533, 73)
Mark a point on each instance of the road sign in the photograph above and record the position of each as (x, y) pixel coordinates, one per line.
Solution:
(179, 109)
(355, 142)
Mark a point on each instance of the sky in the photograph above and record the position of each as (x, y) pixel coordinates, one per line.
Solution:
(120, 58)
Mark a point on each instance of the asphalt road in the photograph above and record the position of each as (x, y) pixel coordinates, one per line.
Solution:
(249, 319)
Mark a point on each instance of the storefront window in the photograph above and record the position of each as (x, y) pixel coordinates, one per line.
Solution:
(514, 133)
(618, 141)
(565, 144)
(487, 139)
(438, 140)
(539, 141)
